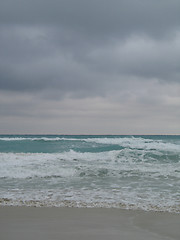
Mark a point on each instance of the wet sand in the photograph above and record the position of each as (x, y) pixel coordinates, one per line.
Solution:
(28, 223)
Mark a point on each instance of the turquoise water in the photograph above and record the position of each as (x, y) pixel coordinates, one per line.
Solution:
(132, 172)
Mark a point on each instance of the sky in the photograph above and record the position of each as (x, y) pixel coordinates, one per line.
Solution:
(89, 67)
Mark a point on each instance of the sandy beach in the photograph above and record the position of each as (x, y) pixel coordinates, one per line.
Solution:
(86, 223)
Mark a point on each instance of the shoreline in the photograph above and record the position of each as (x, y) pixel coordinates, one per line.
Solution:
(86, 223)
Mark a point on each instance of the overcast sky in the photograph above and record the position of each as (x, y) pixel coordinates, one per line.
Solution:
(90, 66)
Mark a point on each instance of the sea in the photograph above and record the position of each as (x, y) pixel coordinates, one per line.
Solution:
(90, 171)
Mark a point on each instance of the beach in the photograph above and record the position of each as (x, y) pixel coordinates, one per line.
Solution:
(86, 223)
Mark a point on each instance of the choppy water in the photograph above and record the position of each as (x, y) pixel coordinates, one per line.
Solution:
(132, 172)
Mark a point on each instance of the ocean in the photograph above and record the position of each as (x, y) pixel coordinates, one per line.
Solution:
(127, 172)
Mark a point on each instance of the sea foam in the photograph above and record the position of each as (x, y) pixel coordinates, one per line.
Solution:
(84, 171)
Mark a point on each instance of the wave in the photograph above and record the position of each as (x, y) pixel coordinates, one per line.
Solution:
(81, 204)
(127, 178)
(83, 196)
(32, 139)
(119, 163)
(138, 143)
(125, 142)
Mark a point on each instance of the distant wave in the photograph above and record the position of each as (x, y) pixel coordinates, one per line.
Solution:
(138, 143)
(125, 142)
(35, 139)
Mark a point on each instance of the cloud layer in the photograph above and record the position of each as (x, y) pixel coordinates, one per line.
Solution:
(90, 66)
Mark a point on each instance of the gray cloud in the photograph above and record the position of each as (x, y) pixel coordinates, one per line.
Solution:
(91, 54)
(35, 61)
(95, 16)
